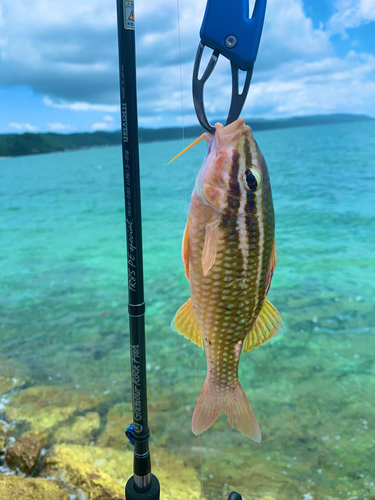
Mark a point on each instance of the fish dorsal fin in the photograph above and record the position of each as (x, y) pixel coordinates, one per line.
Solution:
(186, 324)
(210, 246)
(267, 325)
(185, 249)
(271, 266)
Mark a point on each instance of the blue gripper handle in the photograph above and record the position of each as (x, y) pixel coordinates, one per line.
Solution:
(224, 18)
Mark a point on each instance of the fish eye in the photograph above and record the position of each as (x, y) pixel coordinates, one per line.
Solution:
(252, 179)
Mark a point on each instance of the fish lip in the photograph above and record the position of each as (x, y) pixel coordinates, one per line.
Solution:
(229, 134)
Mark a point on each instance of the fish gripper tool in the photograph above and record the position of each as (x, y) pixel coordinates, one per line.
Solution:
(228, 30)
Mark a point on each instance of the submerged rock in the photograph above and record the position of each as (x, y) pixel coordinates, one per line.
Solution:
(80, 430)
(8, 383)
(102, 473)
(118, 419)
(2, 438)
(19, 488)
(24, 453)
(90, 469)
(42, 408)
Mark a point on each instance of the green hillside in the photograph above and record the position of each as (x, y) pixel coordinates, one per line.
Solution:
(26, 144)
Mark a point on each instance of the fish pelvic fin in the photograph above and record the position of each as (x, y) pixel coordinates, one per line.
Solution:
(185, 323)
(267, 325)
(234, 403)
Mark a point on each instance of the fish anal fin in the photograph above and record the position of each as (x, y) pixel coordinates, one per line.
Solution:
(185, 250)
(210, 246)
(271, 266)
(186, 324)
(267, 325)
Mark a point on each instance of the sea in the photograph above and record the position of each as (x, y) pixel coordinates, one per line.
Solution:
(64, 324)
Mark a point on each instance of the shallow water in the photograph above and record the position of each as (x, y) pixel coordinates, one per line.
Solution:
(64, 303)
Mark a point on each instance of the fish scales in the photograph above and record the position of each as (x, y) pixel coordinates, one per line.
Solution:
(228, 255)
(234, 291)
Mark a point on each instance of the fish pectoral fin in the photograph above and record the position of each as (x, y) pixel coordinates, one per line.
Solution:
(271, 266)
(185, 250)
(267, 325)
(210, 246)
(186, 324)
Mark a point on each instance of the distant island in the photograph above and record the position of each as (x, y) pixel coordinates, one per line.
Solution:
(28, 143)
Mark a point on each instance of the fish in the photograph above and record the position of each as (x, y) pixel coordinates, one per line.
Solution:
(229, 256)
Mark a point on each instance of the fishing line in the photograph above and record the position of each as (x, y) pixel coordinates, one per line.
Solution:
(182, 97)
(187, 212)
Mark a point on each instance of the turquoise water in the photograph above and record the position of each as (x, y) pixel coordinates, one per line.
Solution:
(64, 303)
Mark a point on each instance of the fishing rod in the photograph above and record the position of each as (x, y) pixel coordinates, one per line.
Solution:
(232, 34)
(143, 484)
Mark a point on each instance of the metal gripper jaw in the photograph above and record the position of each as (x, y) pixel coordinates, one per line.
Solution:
(237, 99)
(228, 30)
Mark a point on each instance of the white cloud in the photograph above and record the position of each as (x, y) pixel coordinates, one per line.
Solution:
(23, 126)
(290, 35)
(72, 59)
(331, 85)
(108, 118)
(57, 126)
(99, 126)
(351, 14)
(80, 106)
(149, 120)
(69, 44)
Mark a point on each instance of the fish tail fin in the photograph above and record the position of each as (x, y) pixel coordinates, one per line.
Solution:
(234, 402)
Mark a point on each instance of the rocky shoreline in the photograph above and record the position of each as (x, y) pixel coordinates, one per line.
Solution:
(57, 445)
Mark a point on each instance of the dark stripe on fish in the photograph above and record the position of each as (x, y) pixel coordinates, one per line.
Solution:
(247, 152)
(229, 224)
(268, 215)
(252, 228)
(250, 196)
(234, 187)
(234, 193)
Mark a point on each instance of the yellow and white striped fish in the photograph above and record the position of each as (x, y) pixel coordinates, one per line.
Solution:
(229, 255)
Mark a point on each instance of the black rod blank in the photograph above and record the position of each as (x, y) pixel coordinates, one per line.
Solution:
(142, 484)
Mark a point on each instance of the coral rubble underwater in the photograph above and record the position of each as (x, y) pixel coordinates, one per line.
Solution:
(65, 395)
(315, 404)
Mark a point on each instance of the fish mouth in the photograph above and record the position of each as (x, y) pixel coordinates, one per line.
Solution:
(230, 134)
(232, 127)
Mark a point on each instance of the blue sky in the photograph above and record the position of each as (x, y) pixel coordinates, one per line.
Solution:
(59, 69)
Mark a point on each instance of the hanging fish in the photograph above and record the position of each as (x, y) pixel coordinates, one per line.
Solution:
(229, 255)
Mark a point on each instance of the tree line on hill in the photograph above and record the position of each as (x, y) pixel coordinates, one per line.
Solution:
(37, 143)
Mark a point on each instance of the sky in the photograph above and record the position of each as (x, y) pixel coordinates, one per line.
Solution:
(59, 63)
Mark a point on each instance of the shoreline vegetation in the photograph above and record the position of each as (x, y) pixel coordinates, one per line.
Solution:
(39, 143)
